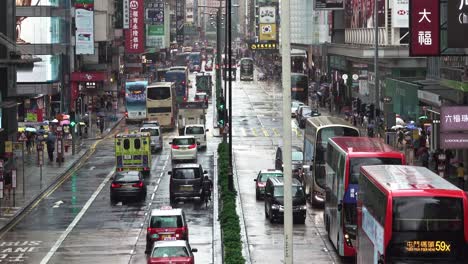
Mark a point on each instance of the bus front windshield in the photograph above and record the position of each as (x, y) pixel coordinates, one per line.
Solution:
(322, 139)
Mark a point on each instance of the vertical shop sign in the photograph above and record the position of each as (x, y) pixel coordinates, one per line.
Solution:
(457, 24)
(135, 34)
(126, 14)
(84, 37)
(424, 28)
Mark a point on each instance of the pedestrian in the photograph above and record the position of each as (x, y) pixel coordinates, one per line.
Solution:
(100, 124)
(435, 157)
(461, 176)
(448, 157)
(51, 146)
(425, 158)
(400, 136)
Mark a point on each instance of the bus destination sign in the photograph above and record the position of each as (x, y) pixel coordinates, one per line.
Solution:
(427, 246)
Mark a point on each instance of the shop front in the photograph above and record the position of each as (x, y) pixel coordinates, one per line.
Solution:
(86, 90)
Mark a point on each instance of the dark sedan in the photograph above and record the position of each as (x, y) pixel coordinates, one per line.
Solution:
(127, 184)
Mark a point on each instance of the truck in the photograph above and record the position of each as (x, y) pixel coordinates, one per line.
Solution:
(133, 152)
(191, 113)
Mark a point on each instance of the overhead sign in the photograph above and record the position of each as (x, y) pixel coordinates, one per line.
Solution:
(400, 14)
(267, 31)
(328, 4)
(126, 14)
(267, 14)
(457, 24)
(424, 28)
(263, 46)
(134, 36)
(84, 36)
(155, 36)
(453, 118)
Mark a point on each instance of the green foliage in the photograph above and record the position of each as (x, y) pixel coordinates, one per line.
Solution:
(228, 217)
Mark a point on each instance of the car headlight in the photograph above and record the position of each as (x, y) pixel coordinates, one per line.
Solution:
(275, 206)
(303, 207)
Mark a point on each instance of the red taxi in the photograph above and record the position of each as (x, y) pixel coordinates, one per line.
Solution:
(261, 180)
(165, 224)
(172, 251)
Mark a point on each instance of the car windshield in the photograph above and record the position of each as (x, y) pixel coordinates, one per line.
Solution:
(194, 130)
(169, 221)
(297, 156)
(183, 141)
(296, 191)
(189, 173)
(265, 176)
(296, 104)
(170, 252)
(127, 176)
(153, 131)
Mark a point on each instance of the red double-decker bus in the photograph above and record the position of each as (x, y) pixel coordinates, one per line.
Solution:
(409, 214)
(345, 156)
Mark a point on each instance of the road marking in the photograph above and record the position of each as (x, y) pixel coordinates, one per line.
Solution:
(299, 133)
(275, 131)
(57, 204)
(254, 131)
(244, 133)
(265, 132)
(92, 168)
(78, 217)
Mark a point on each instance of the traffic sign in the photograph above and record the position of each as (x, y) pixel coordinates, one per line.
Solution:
(22, 137)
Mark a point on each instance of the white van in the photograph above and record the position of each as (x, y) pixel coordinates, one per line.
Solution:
(156, 136)
(197, 131)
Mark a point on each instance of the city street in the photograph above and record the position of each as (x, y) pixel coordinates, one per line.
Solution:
(257, 132)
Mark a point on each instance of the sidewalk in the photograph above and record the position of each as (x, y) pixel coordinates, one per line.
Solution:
(52, 172)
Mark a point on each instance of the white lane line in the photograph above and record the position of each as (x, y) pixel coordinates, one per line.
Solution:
(75, 221)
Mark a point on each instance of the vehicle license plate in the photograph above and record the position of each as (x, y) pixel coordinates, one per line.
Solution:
(127, 157)
(186, 188)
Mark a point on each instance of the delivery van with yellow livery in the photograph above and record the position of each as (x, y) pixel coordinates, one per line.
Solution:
(133, 152)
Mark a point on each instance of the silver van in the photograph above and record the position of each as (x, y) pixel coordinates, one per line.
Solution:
(156, 137)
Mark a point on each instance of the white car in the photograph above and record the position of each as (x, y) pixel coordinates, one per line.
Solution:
(155, 135)
(199, 132)
(184, 148)
(294, 106)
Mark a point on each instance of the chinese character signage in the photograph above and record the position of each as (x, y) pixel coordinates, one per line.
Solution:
(328, 4)
(267, 14)
(454, 118)
(454, 140)
(84, 36)
(155, 36)
(457, 24)
(424, 28)
(263, 46)
(126, 14)
(134, 35)
(180, 20)
(154, 13)
(267, 31)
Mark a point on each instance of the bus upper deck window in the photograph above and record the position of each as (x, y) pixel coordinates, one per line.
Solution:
(137, 143)
(126, 144)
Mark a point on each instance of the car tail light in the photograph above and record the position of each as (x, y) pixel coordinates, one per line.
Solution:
(150, 230)
(192, 146)
(181, 233)
(261, 184)
(139, 185)
(175, 147)
(116, 185)
(126, 114)
(185, 99)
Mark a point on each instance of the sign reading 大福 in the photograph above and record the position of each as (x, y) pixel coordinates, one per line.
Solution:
(424, 28)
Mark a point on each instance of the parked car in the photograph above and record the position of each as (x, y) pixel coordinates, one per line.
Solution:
(274, 200)
(155, 135)
(261, 180)
(166, 223)
(175, 251)
(127, 184)
(297, 158)
(184, 148)
(294, 105)
(186, 181)
(301, 110)
(306, 114)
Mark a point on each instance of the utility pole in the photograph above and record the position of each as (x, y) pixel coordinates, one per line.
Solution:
(286, 81)
(228, 25)
(376, 64)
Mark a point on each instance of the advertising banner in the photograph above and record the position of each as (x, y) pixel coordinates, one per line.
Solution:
(155, 36)
(328, 4)
(134, 35)
(457, 24)
(154, 13)
(424, 28)
(267, 14)
(400, 14)
(84, 36)
(454, 118)
(180, 19)
(360, 13)
(84, 4)
(454, 140)
(267, 31)
(126, 14)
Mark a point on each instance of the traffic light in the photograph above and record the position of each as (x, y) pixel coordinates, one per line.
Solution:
(72, 124)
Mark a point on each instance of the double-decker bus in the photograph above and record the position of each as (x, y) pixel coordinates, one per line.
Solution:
(345, 156)
(135, 100)
(161, 103)
(409, 214)
(299, 87)
(316, 134)
(246, 69)
(181, 59)
(180, 78)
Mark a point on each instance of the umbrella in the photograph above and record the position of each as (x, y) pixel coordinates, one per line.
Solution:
(423, 117)
(399, 121)
(65, 122)
(65, 116)
(21, 129)
(54, 121)
(397, 127)
(30, 129)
